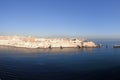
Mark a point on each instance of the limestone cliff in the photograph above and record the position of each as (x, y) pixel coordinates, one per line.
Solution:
(32, 42)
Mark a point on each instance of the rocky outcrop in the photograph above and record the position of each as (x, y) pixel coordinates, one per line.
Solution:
(31, 42)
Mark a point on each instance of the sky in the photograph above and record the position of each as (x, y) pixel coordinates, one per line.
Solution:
(84, 18)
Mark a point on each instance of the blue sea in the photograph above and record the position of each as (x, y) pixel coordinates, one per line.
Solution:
(61, 64)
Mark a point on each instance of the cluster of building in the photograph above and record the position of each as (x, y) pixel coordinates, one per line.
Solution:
(32, 42)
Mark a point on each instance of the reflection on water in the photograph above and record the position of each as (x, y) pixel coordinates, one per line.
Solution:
(58, 64)
(40, 64)
(53, 50)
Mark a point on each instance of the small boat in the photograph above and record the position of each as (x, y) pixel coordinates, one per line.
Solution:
(116, 46)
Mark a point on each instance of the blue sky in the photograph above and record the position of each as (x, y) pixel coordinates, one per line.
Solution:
(85, 18)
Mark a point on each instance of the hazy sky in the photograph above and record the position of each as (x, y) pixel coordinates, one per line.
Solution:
(88, 18)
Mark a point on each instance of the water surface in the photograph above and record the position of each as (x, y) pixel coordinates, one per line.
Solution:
(61, 64)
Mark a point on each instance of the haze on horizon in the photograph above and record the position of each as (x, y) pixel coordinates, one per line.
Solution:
(84, 18)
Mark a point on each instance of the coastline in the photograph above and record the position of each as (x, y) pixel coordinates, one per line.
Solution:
(44, 50)
(32, 42)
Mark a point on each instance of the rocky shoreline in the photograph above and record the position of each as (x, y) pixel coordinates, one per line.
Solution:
(32, 42)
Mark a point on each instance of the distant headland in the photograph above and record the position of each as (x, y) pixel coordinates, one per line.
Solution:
(35, 42)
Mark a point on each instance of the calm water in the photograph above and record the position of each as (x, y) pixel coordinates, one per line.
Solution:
(61, 64)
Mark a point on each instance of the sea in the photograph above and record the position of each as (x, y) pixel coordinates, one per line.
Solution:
(61, 64)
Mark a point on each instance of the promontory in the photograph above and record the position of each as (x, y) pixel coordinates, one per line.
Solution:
(35, 42)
